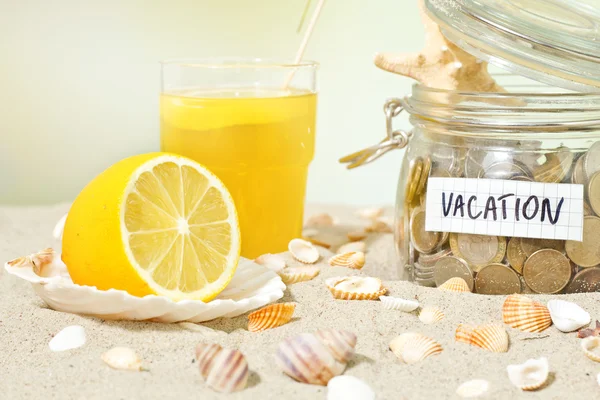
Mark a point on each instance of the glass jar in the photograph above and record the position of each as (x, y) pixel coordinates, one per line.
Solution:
(527, 136)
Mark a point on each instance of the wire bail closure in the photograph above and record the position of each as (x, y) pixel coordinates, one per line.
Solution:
(396, 139)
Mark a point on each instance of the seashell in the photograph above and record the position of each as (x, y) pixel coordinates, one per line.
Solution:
(303, 251)
(591, 347)
(412, 347)
(431, 315)
(317, 242)
(122, 358)
(270, 316)
(492, 337)
(316, 358)
(598, 378)
(396, 303)
(57, 232)
(522, 313)
(353, 246)
(298, 274)
(378, 226)
(474, 388)
(345, 387)
(69, 338)
(568, 316)
(354, 260)
(370, 213)
(530, 375)
(310, 232)
(455, 284)
(272, 261)
(253, 286)
(355, 236)
(224, 370)
(44, 263)
(355, 288)
(323, 219)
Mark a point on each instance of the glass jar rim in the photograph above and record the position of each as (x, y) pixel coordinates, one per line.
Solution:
(238, 62)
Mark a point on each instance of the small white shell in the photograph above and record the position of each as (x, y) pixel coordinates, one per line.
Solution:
(355, 236)
(370, 213)
(346, 387)
(472, 389)
(122, 358)
(59, 228)
(355, 288)
(323, 219)
(591, 347)
(303, 251)
(378, 226)
(69, 338)
(354, 260)
(352, 246)
(293, 275)
(530, 375)
(396, 303)
(412, 347)
(309, 232)
(431, 315)
(568, 316)
(272, 261)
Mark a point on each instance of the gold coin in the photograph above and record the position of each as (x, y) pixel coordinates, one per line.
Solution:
(591, 164)
(547, 271)
(497, 279)
(478, 250)
(530, 245)
(424, 175)
(451, 267)
(578, 173)
(587, 252)
(414, 175)
(515, 254)
(556, 167)
(593, 190)
(587, 210)
(424, 242)
(585, 281)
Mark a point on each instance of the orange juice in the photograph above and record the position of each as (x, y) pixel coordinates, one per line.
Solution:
(259, 143)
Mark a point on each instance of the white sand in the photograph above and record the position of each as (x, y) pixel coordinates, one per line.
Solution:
(29, 370)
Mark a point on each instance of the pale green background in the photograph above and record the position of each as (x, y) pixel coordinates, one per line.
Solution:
(80, 83)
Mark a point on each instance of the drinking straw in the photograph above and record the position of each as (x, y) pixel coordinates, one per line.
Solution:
(307, 34)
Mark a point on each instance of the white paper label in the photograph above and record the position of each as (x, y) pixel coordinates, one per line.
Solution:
(505, 208)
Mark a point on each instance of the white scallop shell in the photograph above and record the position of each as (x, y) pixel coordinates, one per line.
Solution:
(59, 228)
(568, 316)
(252, 287)
(591, 347)
(352, 246)
(69, 338)
(272, 261)
(413, 347)
(122, 358)
(346, 387)
(530, 375)
(303, 251)
(396, 303)
(431, 315)
(473, 388)
(370, 213)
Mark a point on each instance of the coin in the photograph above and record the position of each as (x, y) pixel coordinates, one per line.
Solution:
(424, 241)
(449, 159)
(414, 175)
(424, 175)
(451, 267)
(438, 171)
(497, 279)
(425, 282)
(429, 260)
(587, 252)
(522, 178)
(515, 254)
(578, 173)
(585, 281)
(547, 271)
(556, 167)
(505, 170)
(478, 250)
(587, 209)
(531, 245)
(593, 190)
(591, 164)
(478, 160)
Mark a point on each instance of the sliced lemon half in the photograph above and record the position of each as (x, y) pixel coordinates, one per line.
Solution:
(154, 224)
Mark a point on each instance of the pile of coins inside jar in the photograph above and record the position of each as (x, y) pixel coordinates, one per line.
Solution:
(496, 264)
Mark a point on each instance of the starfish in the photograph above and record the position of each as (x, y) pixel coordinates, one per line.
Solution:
(441, 64)
(583, 333)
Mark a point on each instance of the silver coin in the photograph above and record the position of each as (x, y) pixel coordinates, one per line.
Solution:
(591, 164)
(578, 172)
(478, 160)
(505, 170)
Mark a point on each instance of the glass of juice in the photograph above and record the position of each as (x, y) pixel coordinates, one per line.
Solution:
(252, 123)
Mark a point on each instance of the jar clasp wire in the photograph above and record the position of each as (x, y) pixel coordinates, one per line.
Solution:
(395, 139)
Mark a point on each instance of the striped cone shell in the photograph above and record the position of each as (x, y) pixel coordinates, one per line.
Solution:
(224, 370)
(492, 337)
(316, 358)
(270, 316)
(522, 313)
(455, 284)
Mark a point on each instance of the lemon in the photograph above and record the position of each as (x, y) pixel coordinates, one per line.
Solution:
(154, 224)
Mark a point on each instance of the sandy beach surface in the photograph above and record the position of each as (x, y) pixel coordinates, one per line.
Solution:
(29, 370)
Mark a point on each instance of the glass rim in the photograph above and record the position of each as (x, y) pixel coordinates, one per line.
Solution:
(237, 62)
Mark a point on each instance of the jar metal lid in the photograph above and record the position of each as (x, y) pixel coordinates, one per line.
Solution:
(556, 42)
